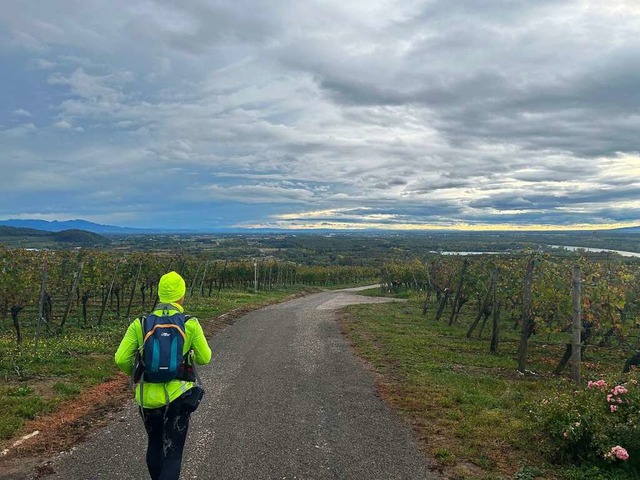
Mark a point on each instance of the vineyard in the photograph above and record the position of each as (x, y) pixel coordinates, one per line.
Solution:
(538, 315)
(533, 293)
(45, 289)
(64, 312)
(42, 293)
(482, 361)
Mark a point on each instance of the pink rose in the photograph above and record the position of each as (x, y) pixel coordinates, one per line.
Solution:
(600, 384)
(613, 408)
(620, 453)
(619, 390)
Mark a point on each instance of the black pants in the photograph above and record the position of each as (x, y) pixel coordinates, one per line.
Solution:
(167, 430)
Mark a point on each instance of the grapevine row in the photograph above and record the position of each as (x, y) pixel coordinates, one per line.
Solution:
(531, 293)
(97, 284)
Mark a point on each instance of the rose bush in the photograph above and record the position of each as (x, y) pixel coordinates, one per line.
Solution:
(593, 426)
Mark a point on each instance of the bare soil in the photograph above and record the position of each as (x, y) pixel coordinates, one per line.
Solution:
(68, 425)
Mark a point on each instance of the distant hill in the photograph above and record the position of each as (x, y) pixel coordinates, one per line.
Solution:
(79, 237)
(626, 230)
(41, 238)
(21, 232)
(56, 226)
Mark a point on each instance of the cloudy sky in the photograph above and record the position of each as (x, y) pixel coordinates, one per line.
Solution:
(332, 113)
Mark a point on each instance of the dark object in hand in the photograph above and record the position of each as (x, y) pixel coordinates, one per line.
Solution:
(192, 398)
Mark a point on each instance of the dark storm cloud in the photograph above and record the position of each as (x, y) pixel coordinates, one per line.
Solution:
(390, 184)
(432, 186)
(196, 26)
(541, 200)
(356, 92)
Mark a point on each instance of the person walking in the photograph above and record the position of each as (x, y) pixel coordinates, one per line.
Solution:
(165, 398)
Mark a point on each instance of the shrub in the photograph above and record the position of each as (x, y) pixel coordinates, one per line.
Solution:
(594, 425)
(527, 472)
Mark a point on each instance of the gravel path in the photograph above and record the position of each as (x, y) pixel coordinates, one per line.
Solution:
(285, 399)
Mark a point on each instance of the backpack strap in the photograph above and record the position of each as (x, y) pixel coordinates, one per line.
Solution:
(195, 372)
(189, 357)
(190, 361)
(143, 320)
(138, 366)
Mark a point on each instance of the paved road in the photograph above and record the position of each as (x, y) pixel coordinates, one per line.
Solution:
(286, 399)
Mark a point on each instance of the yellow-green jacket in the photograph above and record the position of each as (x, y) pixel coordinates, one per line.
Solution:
(156, 394)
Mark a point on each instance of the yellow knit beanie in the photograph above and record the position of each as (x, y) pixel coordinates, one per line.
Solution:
(171, 287)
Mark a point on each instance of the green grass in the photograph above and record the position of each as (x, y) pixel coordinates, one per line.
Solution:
(470, 406)
(35, 382)
(383, 292)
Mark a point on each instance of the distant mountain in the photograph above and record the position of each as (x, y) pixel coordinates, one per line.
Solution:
(57, 226)
(30, 236)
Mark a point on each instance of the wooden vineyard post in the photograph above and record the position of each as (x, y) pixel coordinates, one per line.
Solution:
(15, 311)
(495, 331)
(576, 329)
(85, 301)
(224, 270)
(265, 275)
(133, 290)
(255, 277)
(456, 299)
(104, 303)
(443, 302)
(204, 275)
(430, 288)
(74, 288)
(485, 301)
(213, 276)
(43, 292)
(193, 282)
(445, 298)
(527, 322)
(425, 303)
